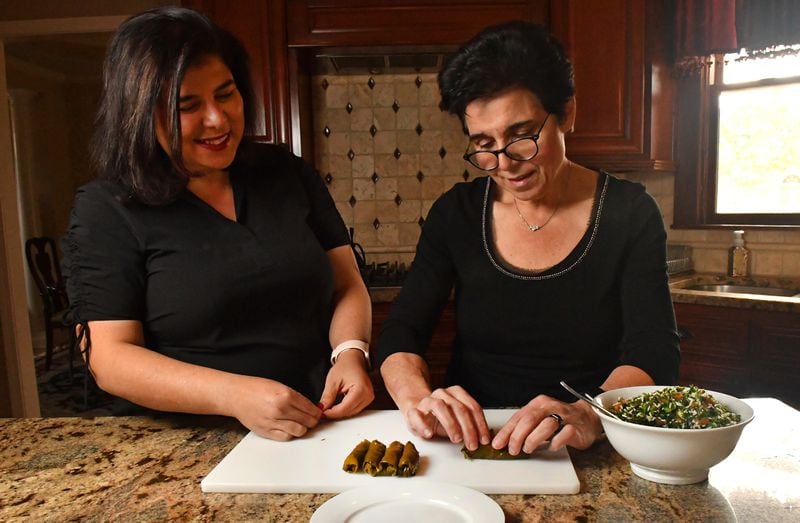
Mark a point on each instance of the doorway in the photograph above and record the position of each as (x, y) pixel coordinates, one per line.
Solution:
(51, 70)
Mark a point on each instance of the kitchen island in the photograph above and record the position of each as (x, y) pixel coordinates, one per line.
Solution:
(146, 469)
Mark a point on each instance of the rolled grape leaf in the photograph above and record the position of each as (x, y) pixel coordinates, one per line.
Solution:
(391, 459)
(489, 452)
(409, 461)
(372, 461)
(354, 460)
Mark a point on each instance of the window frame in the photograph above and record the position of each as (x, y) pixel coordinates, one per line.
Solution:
(696, 151)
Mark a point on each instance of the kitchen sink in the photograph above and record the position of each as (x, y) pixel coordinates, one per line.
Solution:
(744, 289)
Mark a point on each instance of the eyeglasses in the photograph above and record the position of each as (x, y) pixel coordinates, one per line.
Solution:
(519, 149)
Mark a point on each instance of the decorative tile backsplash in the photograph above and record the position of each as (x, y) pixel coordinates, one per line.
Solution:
(387, 153)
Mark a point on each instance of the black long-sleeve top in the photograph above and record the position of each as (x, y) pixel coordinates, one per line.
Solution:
(517, 334)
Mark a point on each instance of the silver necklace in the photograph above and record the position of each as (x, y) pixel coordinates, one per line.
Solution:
(534, 228)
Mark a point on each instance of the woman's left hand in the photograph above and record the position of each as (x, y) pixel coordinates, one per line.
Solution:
(347, 378)
(533, 424)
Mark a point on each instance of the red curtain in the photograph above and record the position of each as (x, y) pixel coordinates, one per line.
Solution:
(705, 27)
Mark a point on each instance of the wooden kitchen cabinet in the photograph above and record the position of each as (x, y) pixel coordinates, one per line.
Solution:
(329, 23)
(619, 49)
(624, 91)
(438, 356)
(743, 352)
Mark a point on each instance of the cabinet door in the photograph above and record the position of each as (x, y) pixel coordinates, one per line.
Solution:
(774, 353)
(623, 88)
(320, 23)
(261, 27)
(380, 311)
(713, 348)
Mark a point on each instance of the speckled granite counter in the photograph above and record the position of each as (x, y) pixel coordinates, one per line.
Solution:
(142, 469)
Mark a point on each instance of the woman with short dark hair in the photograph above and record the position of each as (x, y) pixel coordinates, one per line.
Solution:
(559, 271)
(209, 274)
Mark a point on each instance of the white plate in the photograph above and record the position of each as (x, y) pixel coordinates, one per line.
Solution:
(416, 501)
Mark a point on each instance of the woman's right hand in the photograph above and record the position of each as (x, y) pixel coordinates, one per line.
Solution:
(450, 412)
(271, 409)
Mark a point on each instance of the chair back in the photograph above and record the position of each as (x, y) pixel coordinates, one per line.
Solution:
(45, 269)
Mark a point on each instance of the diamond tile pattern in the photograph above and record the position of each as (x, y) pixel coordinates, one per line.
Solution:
(392, 125)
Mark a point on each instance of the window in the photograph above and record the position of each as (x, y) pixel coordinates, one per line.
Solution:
(745, 115)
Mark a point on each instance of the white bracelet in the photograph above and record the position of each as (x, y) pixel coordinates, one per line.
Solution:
(363, 346)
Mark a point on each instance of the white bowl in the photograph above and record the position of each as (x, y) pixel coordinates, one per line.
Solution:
(673, 456)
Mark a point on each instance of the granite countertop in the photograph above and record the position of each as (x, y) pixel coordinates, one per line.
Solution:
(145, 469)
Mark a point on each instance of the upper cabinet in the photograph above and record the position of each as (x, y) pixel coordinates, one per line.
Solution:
(624, 89)
(323, 23)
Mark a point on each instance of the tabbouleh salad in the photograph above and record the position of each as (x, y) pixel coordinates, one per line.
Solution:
(675, 408)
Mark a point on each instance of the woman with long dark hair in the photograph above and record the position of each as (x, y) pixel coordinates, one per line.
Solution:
(206, 273)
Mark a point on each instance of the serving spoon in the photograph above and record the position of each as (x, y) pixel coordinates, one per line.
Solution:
(590, 400)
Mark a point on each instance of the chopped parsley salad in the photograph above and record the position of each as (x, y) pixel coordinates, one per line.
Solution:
(676, 408)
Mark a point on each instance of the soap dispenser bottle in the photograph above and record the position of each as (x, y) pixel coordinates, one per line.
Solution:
(738, 256)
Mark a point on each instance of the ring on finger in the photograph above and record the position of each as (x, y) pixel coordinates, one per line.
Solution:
(559, 420)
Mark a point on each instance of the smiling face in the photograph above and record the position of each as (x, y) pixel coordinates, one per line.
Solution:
(494, 122)
(211, 118)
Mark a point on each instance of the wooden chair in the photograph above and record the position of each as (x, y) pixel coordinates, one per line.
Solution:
(45, 269)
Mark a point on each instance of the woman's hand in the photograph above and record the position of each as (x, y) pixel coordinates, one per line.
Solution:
(347, 378)
(450, 413)
(271, 409)
(533, 424)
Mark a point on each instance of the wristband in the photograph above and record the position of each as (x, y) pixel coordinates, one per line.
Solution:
(363, 346)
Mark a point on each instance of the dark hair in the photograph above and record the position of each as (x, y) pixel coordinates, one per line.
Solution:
(514, 54)
(144, 66)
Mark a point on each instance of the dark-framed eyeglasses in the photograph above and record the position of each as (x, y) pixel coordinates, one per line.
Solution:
(520, 149)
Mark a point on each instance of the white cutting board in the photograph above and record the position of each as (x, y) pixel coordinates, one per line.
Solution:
(314, 463)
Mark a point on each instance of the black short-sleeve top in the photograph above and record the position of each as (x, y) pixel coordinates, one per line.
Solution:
(251, 296)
